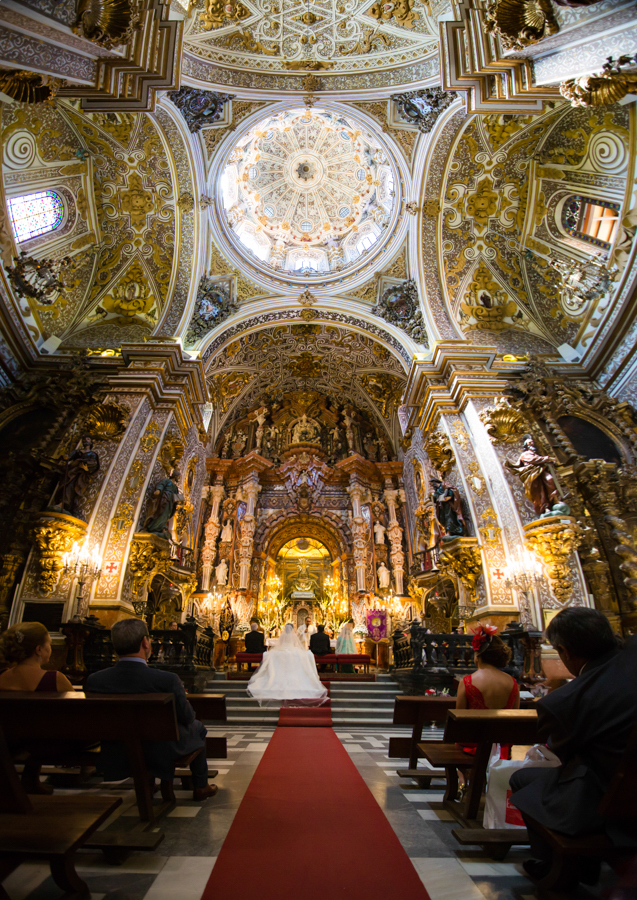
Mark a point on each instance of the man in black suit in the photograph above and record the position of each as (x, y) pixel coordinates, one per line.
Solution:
(587, 723)
(132, 675)
(254, 639)
(320, 644)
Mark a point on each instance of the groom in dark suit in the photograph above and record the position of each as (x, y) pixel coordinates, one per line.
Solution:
(132, 675)
(320, 644)
(587, 723)
(254, 639)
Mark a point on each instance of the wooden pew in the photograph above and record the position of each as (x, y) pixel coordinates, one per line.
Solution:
(483, 727)
(211, 708)
(49, 828)
(248, 658)
(417, 712)
(619, 802)
(130, 718)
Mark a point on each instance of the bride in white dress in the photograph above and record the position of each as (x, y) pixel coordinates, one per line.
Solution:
(288, 672)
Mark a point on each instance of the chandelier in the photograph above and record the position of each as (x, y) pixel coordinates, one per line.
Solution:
(582, 283)
(85, 565)
(38, 279)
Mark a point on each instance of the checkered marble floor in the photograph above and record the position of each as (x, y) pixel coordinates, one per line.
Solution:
(194, 832)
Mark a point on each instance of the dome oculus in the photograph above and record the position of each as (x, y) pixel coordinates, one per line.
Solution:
(308, 191)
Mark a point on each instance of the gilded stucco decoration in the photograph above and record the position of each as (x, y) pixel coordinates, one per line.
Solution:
(199, 108)
(423, 107)
(108, 23)
(519, 23)
(55, 534)
(213, 306)
(28, 87)
(503, 422)
(292, 357)
(499, 223)
(554, 539)
(400, 306)
(610, 86)
(331, 37)
(439, 450)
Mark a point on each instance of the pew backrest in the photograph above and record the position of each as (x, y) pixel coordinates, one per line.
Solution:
(501, 726)
(26, 715)
(410, 710)
(209, 706)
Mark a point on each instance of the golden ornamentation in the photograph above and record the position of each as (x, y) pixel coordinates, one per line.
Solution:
(431, 208)
(368, 42)
(463, 557)
(385, 390)
(312, 83)
(307, 298)
(610, 86)
(305, 365)
(106, 422)
(627, 552)
(137, 201)
(402, 11)
(218, 11)
(519, 23)
(171, 452)
(225, 388)
(482, 204)
(554, 539)
(308, 65)
(475, 478)
(486, 306)
(123, 518)
(503, 422)
(438, 449)
(308, 315)
(490, 531)
(150, 438)
(55, 534)
(108, 23)
(28, 87)
(149, 555)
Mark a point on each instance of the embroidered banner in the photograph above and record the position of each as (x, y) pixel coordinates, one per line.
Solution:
(377, 624)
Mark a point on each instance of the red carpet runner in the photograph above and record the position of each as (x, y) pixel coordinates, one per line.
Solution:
(308, 827)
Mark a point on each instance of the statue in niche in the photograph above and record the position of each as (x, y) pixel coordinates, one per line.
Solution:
(448, 509)
(260, 420)
(162, 506)
(226, 531)
(221, 572)
(80, 469)
(535, 474)
(371, 447)
(238, 444)
(379, 533)
(384, 577)
(305, 431)
(335, 443)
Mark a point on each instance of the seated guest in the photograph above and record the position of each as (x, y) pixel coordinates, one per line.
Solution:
(345, 644)
(587, 723)
(320, 642)
(489, 687)
(132, 675)
(254, 639)
(24, 650)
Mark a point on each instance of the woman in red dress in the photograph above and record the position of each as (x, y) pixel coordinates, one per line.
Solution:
(489, 687)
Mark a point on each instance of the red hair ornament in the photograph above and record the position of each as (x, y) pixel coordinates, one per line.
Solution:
(482, 635)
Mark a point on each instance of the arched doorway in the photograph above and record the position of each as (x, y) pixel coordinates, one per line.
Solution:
(304, 568)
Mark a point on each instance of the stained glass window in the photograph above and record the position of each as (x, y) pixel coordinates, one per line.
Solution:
(593, 221)
(35, 214)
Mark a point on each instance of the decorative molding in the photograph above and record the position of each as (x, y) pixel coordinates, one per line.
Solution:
(213, 306)
(422, 108)
(400, 306)
(199, 108)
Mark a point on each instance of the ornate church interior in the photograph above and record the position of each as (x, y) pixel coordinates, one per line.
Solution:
(317, 318)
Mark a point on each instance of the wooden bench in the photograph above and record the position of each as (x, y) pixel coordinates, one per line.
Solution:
(49, 828)
(619, 802)
(483, 727)
(417, 712)
(248, 658)
(131, 718)
(211, 708)
(354, 659)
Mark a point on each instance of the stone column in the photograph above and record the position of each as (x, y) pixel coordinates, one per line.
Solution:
(392, 498)
(209, 551)
(359, 532)
(250, 492)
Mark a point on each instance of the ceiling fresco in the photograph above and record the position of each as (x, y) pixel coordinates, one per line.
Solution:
(116, 171)
(344, 365)
(278, 38)
(499, 224)
(308, 191)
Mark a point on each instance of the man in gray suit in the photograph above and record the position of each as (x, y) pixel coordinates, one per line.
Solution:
(587, 723)
(132, 675)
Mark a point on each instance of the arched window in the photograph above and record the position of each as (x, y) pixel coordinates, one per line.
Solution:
(593, 221)
(35, 214)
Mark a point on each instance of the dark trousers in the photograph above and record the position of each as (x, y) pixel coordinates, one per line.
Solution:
(540, 848)
(199, 765)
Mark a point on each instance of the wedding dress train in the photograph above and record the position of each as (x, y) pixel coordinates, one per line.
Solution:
(287, 672)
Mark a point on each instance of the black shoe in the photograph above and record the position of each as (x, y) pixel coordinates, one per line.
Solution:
(536, 869)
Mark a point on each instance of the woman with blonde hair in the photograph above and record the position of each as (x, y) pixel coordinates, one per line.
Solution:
(24, 651)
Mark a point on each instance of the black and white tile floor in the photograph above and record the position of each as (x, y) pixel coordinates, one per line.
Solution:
(194, 832)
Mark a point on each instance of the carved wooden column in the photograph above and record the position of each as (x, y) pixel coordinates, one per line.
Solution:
(359, 532)
(250, 491)
(216, 493)
(392, 497)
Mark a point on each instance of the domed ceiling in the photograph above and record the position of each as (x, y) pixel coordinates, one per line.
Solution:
(308, 192)
(275, 43)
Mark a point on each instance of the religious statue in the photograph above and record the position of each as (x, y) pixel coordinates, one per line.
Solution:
(539, 485)
(221, 572)
(80, 469)
(238, 444)
(226, 531)
(162, 505)
(384, 577)
(371, 448)
(448, 509)
(260, 419)
(305, 431)
(379, 532)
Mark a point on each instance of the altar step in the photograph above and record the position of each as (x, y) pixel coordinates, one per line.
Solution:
(353, 703)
